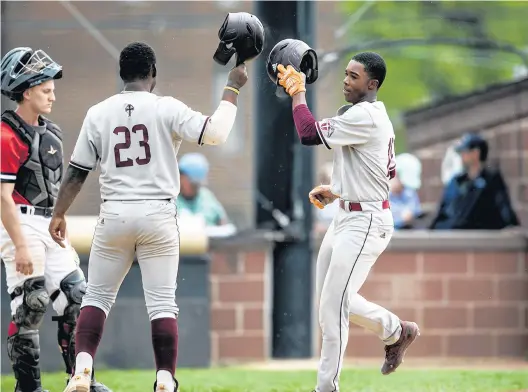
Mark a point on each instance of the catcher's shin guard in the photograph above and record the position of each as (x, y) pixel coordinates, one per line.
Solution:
(23, 350)
(23, 346)
(73, 286)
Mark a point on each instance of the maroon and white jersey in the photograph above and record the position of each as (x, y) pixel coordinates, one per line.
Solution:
(135, 137)
(362, 138)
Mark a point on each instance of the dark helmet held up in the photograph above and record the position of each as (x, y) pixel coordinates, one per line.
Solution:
(23, 68)
(241, 33)
(296, 53)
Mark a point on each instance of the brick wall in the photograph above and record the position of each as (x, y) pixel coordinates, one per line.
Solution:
(467, 303)
(240, 305)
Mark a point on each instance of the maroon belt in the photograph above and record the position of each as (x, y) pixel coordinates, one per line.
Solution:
(352, 206)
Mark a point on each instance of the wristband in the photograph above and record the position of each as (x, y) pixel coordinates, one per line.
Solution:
(232, 89)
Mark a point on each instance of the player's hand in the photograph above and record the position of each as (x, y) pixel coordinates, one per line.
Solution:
(23, 262)
(57, 229)
(237, 77)
(321, 196)
(294, 82)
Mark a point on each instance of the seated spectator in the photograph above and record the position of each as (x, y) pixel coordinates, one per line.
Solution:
(196, 199)
(403, 196)
(477, 198)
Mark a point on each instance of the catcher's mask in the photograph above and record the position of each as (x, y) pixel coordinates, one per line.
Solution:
(241, 33)
(23, 68)
(296, 53)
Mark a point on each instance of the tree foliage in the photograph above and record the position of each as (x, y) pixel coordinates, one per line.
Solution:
(420, 74)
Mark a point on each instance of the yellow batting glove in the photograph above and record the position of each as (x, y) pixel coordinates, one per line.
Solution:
(292, 80)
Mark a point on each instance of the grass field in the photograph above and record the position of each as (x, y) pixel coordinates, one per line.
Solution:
(353, 380)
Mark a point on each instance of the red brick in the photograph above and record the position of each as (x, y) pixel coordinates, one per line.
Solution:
(432, 289)
(241, 291)
(405, 312)
(254, 262)
(241, 347)
(223, 263)
(396, 263)
(254, 318)
(446, 317)
(427, 346)
(513, 345)
(445, 263)
(501, 316)
(509, 166)
(364, 346)
(377, 289)
(223, 319)
(490, 263)
(470, 289)
(474, 345)
(513, 289)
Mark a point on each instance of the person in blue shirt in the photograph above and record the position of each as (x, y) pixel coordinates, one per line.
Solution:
(198, 200)
(403, 197)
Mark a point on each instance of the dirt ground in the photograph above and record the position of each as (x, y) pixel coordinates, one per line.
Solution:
(412, 363)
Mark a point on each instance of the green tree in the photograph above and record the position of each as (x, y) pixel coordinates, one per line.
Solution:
(423, 73)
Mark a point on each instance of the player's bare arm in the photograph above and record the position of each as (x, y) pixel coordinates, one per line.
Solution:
(11, 222)
(219, 125)
(68, 191)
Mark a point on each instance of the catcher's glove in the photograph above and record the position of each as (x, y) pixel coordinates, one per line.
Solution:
(321, 196)
(292, 80)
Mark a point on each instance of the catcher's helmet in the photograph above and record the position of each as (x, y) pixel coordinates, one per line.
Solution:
(23, 68)
(296, 53)
(241, 33)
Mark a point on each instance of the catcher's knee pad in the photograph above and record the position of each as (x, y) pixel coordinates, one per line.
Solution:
(73, 287)
(30, 313)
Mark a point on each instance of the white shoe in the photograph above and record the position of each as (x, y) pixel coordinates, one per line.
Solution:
(80, 382)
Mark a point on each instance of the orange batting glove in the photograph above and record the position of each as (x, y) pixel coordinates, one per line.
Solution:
(292, 80)
(321, 196)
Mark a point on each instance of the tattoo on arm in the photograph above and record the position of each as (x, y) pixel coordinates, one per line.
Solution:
(70, 187)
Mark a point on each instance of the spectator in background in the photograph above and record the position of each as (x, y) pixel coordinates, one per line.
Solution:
(403, 197)
(324, 217)
(477, 198)
(196, 199)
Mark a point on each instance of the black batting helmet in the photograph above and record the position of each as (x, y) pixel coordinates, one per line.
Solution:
(296, 53)
(241, 33)
(23, 68)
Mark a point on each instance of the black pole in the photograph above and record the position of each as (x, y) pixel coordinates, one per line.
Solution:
(284, 176)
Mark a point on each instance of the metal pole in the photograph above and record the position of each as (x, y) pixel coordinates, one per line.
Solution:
(283, 175)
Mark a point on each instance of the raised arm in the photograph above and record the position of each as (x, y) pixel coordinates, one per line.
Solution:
(195, 127)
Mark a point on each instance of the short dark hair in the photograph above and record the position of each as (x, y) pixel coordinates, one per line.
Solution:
(136, 61)
(374, 65)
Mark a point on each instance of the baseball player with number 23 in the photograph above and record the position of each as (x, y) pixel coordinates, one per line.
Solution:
(135, 136)
(362, 139)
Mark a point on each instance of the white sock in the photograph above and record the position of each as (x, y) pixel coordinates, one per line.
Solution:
(83, 361)
(164, 377)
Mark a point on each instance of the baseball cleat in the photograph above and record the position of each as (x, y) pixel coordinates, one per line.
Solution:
(80, 382)
(163, 388)
(395, 352)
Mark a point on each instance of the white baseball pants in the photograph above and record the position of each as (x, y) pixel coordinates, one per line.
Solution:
(49, 259)
(147, 229)
(349, 249)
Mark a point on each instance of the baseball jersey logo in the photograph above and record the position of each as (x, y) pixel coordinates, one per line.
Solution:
(327, 127)
(129, 109)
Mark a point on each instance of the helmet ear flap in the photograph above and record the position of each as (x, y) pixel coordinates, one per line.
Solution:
(224, 52)
(241, 33)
